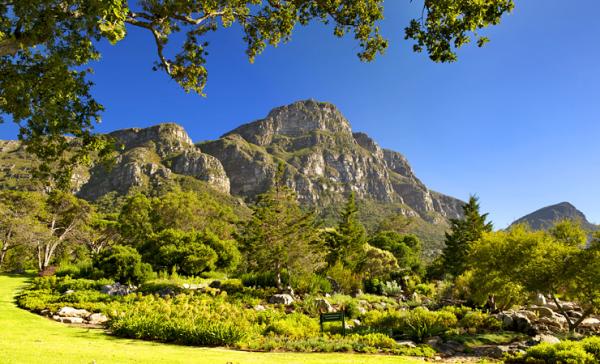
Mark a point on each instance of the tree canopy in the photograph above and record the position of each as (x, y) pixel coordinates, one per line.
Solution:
(46, 46)
(516, 264)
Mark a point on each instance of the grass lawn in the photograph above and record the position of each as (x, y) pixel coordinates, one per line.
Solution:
(29, 338)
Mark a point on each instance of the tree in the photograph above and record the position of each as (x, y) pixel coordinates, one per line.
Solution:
(280, 237)
(45, 46)
(518, 263)
(135, 220)
(190, 253)
(405, 248)
(19, 214)
(462, 234)
(63, 216)
(122, 263)
(346, 242)
(101, 231)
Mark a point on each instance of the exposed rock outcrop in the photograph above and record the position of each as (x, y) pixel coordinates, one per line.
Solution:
(324, 162)
(149, 156)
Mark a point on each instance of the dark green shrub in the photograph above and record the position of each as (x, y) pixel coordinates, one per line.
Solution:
(123, 264)
(373, 286)
(231, 286)
(264, 280)
(191, 253)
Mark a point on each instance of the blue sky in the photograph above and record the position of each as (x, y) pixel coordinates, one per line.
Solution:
(517, 122)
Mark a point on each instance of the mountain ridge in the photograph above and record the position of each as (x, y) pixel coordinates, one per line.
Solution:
(324, 159)
(545, 217)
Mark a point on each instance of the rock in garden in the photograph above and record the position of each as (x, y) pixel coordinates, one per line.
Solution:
(259, 308)
(72, 312)
(118, 289)
(591, 323)
(323, 305)
(407, 343)
(284, 299)
(540, 300)
(97, 319)
(71, 320)
(545, 339)
(544, 312)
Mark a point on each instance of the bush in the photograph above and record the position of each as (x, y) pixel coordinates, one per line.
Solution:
(231, 286)
(417, 324)
(566, 352)
(346, 280)
(124, 264)
(391, 289)
(295, 326)
(369, 343)
(185, 319)
(313, 284)
(263, 280)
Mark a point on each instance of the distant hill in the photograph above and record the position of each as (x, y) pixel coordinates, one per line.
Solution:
(545, 218)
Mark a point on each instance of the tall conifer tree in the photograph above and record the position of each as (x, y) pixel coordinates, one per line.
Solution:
(280, 237)
(463, 233)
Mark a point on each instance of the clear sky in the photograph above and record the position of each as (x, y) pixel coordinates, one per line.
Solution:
(517, 122)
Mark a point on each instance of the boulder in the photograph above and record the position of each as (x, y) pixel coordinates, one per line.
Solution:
(72, 312)
(544, 311)
(545, 339)
(71, 320)
(323, 305)
(118, 289)
(540, 300)
(284, 299)
(407, 343)
(97, 319)
(591, 323)
(521, 322)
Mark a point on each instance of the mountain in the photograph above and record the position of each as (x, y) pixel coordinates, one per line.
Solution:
(545, 218)
(324, 161)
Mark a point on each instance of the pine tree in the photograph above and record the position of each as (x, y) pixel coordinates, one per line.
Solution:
(346, 243)
(280, 237)
(463, 233)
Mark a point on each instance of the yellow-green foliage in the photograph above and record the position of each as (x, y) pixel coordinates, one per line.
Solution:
(417, 324)
(586, 351)
(295, 326)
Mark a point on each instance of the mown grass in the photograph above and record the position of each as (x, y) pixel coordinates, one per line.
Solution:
(29, 338)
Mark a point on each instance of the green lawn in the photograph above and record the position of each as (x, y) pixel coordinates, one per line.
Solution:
(29, 338)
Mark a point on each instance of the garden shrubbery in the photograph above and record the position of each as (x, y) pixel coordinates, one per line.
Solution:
(586, 351)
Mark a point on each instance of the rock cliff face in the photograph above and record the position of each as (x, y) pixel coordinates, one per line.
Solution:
(148, 156)
(324, 162)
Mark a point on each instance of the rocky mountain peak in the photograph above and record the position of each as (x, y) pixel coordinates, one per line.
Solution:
(168, 138)
(545, 218)
(294, 120)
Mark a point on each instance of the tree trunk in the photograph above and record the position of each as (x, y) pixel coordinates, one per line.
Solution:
(3, 253)
(572, 325)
